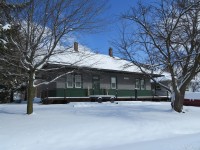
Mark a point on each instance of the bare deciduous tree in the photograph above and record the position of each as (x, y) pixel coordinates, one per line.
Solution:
(43, 27)
(165, 35)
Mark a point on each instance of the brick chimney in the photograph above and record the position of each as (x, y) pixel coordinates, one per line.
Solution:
(76, 46)
(110, 52)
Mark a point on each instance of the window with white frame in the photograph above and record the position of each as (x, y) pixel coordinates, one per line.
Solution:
(78, 81)
(113, 83)
(142, 84)
(69, 81)
(137, 83)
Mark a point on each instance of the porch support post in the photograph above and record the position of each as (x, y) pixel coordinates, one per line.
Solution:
(136, 94)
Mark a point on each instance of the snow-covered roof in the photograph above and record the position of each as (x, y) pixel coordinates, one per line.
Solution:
(86, 58)
(166, 76)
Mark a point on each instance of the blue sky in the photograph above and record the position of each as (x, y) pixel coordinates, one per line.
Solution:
(102, 41)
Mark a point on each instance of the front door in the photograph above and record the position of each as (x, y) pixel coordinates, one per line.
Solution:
(96, 85)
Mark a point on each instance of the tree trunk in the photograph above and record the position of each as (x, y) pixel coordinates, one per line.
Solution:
(11, 96)
(177, 101)
(25, 94)
(30, 94)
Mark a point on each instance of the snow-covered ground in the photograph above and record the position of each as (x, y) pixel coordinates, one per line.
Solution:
(95, 126)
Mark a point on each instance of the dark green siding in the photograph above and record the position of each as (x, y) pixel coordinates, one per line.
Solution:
(71, 92)
(144, 93)
(76, 92)
(60, 92)
(126, 93)
(84, 92)
(52, 93)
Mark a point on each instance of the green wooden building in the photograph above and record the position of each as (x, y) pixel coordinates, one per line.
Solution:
(84, 75)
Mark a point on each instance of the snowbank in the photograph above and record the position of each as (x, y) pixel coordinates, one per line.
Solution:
(37, 100)
(192, 95)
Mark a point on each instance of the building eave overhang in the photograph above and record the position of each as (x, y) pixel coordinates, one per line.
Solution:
(102, 70)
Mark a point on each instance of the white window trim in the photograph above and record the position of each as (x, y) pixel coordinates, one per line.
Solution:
(144, 85)
(140, 87)
(115, 82)
(70, 75)
(78, 81)
(137, 86)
